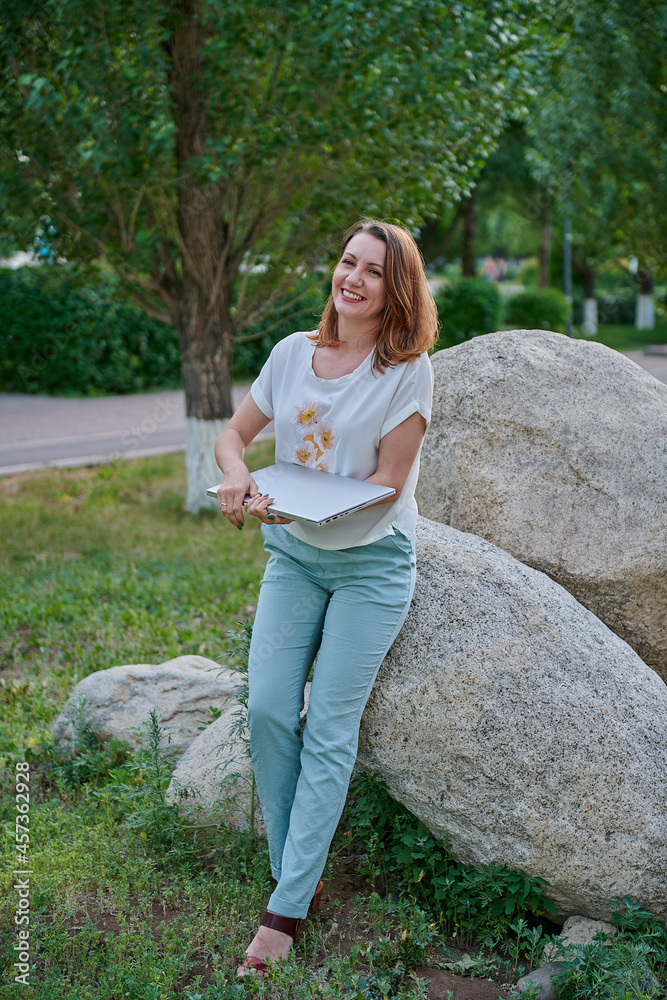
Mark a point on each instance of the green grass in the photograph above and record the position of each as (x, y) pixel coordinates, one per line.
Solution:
(129, 899)
(102, 567)
(626, 338)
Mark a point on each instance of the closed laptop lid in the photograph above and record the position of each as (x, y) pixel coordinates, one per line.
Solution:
(309, 495)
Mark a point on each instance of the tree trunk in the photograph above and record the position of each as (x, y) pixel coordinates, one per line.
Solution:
(468, 250)
(645, 309)
(206, 359)
(545, 251)
(434, 241)
(590, 324)
(202, 312)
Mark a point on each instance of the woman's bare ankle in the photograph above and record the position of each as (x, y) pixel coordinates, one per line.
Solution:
(271, 943)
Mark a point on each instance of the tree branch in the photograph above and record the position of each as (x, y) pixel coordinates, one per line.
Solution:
(151, 310)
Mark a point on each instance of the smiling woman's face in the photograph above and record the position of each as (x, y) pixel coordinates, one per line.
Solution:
(358, 279)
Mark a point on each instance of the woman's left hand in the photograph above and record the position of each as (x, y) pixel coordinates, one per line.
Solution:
(259, 506)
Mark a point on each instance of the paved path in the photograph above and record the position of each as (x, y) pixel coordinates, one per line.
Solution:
(40, 431)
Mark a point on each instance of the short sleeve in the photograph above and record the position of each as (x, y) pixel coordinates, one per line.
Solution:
(261, 389)
(414, 394)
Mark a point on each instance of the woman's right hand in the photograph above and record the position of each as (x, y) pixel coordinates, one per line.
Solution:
(237, 485)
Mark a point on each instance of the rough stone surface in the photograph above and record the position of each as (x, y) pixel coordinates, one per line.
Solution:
(542, 979)
(517, 726)
(215, 772)
(579, 930)
(556, 451)
(120, 699)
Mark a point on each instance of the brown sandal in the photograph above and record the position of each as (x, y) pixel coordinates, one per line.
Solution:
(317, 898)
(286, 925)
(256, 964)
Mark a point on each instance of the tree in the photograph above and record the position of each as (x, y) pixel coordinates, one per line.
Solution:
(500, 215)
(598, 132)
(206, 148)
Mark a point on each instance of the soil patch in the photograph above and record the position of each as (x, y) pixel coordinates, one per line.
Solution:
(461, 987)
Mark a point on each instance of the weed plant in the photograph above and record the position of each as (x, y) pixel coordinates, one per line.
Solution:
(489, 904)
(628, 964)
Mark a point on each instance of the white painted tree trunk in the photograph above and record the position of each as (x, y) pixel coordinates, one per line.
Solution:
(200, 464)
(645, 313)
(590, 317)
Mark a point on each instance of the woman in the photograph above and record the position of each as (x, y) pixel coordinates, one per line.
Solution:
(352, 398)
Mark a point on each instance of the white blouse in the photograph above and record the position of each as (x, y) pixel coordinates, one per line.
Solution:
(336, 425)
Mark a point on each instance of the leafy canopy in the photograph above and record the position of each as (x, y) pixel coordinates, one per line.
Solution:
(290, 119)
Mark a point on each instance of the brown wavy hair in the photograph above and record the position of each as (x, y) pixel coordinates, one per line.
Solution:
(409, 324)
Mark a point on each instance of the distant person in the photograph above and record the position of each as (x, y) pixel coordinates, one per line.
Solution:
(490, 269)
(353, 397)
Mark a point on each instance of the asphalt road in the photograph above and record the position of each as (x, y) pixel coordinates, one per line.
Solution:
(41, 431)
(37, 432)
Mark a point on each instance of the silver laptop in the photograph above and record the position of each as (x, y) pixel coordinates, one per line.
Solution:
(315, 497)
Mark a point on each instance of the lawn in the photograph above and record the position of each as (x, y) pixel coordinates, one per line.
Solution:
(627, 338)
(101, 567)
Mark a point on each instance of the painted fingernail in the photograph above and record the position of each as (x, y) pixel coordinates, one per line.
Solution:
(270, 517)
(240, 527)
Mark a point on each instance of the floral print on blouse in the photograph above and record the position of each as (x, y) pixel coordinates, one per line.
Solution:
(317, 438)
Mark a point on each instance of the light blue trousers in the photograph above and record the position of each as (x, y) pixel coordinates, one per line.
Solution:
(349, 605)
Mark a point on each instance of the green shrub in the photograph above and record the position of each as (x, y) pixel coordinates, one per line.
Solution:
(467, 308)
(616, 309)
(537, 309)
(66, 333)
(529, 271)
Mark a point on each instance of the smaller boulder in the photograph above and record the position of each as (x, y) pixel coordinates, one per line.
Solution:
(578, 930)
(542, 979)
(214, 776)
(119, 700)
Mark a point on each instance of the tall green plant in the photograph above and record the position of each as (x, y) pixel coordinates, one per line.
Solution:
(476, 903)
(143, 784)
(240, 639)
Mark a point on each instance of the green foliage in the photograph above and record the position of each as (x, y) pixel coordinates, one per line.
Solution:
(537, 309)
(467, 308)
(379, 987)
(407, 946)
(613, 967)
(601, 162)
(84, 760)
(628, 964)
(238, 640)
(275, 139)
(66, 334)
(298, 309)
(480, 903)
(617, 309)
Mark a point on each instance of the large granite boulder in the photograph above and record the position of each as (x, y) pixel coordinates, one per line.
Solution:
(519, 728)
(119, 700)
(555, 450)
